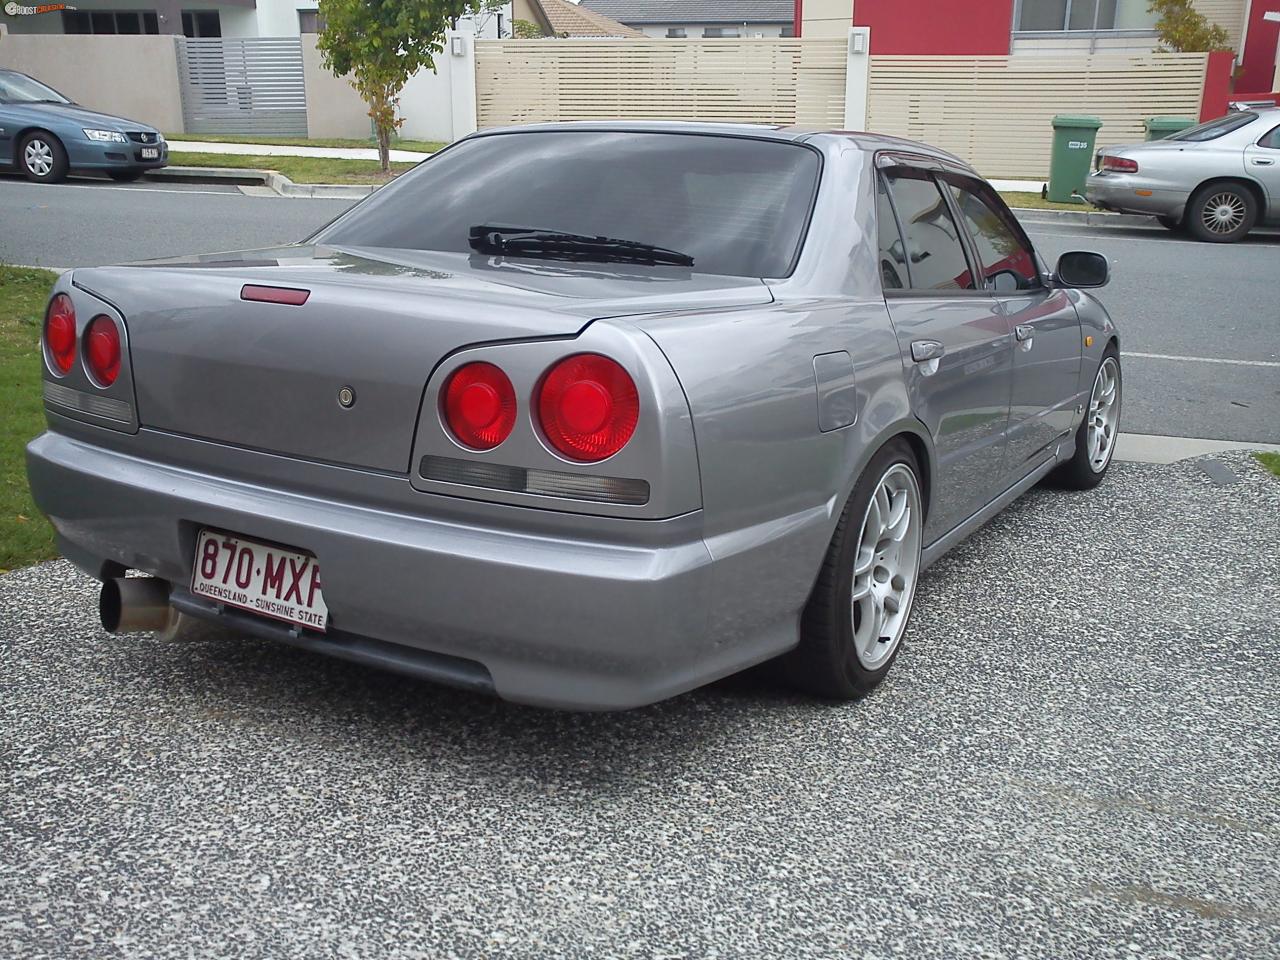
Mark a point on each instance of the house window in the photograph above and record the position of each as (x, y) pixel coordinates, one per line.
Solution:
(788, 31)
(721, 32)
(110, 21)
(310, 21)
(676, 33)
(201, 23)
(1064, 15)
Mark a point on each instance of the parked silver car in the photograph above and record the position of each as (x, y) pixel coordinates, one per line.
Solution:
(1217, 180)
(586, 415)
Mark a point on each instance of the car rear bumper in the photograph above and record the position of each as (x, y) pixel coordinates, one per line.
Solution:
(542, 618)
(1120, 192)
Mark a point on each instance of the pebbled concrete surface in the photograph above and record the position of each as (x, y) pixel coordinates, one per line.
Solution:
(1077, 755)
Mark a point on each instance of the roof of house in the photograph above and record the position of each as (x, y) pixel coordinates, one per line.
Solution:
(695, 11)
(571, 20)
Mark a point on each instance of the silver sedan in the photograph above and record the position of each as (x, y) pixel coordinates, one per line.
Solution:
(1217, 180)
(582, 415)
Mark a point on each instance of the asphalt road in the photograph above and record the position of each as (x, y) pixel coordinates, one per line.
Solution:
(1172, 297)
(1076, 761)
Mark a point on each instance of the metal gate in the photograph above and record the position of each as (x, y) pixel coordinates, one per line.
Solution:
(243, 86)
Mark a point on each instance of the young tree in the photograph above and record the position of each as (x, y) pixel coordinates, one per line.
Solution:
(1184, 29)
(381, 44)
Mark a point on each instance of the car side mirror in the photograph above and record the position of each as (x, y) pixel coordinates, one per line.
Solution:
(1082, 268)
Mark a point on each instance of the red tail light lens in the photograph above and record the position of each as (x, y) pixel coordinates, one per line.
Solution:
(60, 333)
(588, 407)
(102, 350)
(479, 405)
(1120, 164)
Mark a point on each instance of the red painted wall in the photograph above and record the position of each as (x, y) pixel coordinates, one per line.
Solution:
(1217, 84)
(937, 27)
(1259, 62)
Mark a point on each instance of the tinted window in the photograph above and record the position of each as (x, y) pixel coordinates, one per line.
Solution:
(1215, 128)
(737, 206)
(893, 254)
(933, 244)
(1004, 255)
(1272, 140)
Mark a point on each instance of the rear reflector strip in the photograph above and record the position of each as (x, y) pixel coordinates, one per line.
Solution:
(542, 483)
(288, 295)
(78, 400)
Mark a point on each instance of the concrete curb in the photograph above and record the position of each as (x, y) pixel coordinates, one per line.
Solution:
(1087, 217)
(277, 182)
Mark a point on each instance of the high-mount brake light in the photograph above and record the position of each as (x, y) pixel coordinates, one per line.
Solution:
(479, 405)
(588, 407)
(287, 295)
(60, 333)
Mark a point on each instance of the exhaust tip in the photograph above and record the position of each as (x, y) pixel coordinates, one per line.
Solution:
(134, 605)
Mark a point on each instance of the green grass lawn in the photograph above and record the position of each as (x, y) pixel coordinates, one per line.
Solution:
(297, 169)
(25, 535)
(1271, 461)
(421, 146)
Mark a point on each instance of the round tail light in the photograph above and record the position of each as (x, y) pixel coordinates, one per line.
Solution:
(588, 407)
(60, 333)
(479, 405)
(102, 350)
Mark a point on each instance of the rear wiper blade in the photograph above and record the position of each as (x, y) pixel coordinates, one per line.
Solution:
(533, 241)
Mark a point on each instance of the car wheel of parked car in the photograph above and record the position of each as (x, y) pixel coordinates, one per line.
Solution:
(1097, 433)
(124, 176)
(861, 603)
(42, 158)
(1222, 212)
(1176, 224)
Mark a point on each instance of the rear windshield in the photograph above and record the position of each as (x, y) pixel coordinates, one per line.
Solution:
(738, 206)
(1215, 128)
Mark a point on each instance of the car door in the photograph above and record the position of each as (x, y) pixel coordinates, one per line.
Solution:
(1262, 162)
(954, 340)
(1045, 328)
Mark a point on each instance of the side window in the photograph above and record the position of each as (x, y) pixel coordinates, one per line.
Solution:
(1272, 140)
(1006, 259)
(934, 251)
(894, 274)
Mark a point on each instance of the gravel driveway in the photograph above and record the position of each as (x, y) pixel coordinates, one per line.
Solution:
(1078, 755)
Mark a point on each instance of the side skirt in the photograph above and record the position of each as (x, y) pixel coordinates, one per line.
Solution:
(939, 547)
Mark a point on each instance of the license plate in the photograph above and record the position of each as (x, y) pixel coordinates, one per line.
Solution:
(150, 153)
(268, 580)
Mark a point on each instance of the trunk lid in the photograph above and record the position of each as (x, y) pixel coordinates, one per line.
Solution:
(267, 376)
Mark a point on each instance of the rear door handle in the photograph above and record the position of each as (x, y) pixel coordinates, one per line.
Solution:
(1262, 162)
(1024, 332)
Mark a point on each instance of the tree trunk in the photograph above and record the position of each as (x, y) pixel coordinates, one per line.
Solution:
(384, 148)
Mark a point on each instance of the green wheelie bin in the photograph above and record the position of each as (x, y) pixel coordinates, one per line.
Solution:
(1160, 127)
(1073, 139)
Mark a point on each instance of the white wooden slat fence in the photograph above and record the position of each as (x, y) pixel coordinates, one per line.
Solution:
(995, 112)
(759, 80)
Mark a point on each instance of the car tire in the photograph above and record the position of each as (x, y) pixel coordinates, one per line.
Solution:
(1176, 224)
(1097, 433)
(1222, 212)
(42, 158)
(124, 176)
(872, 564)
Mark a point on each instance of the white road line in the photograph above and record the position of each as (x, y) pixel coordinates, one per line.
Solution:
(1173, 356)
